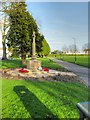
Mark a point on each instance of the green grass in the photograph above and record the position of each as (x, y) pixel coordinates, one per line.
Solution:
(10, 64)
(50, 64)
(83, 60)
(45, 62)
(80, 60)
(34, 99)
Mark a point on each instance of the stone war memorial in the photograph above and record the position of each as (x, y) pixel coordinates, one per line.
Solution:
(35, 70)
(33, 64)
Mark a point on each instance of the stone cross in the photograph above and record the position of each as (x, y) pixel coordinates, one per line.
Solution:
(33, 64)
(33, 47)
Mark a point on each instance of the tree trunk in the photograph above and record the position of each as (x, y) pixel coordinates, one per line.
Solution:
(24, 58)
(4, 50)
(4, 38)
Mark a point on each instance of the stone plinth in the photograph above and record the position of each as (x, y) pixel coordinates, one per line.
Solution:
(33, 65)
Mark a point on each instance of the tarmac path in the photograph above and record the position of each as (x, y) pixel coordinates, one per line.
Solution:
(82, 72)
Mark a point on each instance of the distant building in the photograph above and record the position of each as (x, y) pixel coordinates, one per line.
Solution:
(87, 51)
(7, 52)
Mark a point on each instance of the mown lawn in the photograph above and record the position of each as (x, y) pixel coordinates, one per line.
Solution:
(10, 64)
(83, 60)
(41, 99)
(80, 60)
(45, 62)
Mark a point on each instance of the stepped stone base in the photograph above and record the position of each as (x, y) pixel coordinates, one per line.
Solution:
(33, 65)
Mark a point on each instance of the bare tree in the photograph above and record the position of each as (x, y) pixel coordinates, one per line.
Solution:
(85, 46)
(73, 48)
(4, 25)
(65, 49)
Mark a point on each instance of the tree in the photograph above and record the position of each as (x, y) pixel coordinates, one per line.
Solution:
(45, 49)
(73, 48)
(39, 39)
(56, 52)
(85, 46)
(65, 49)
(22, 25)
(4, 27)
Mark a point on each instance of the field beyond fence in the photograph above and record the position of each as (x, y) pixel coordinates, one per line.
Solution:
(83, 60)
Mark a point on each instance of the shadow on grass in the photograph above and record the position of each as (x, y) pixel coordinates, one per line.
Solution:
(33, 105)
(66, 94)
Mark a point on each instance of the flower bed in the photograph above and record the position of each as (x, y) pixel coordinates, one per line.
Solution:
(45, 69)
(23, 70)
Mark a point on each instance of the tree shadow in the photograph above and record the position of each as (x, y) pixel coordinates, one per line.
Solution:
(34, 106)
(53, 89)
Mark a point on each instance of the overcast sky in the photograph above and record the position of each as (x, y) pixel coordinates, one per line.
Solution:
(61, 21)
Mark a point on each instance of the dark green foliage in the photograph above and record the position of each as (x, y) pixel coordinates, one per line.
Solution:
(21, 29)
(39, 39)
(45, 50)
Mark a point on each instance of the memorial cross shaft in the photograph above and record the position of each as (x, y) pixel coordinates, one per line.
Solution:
(33, 48)
(33, 64)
